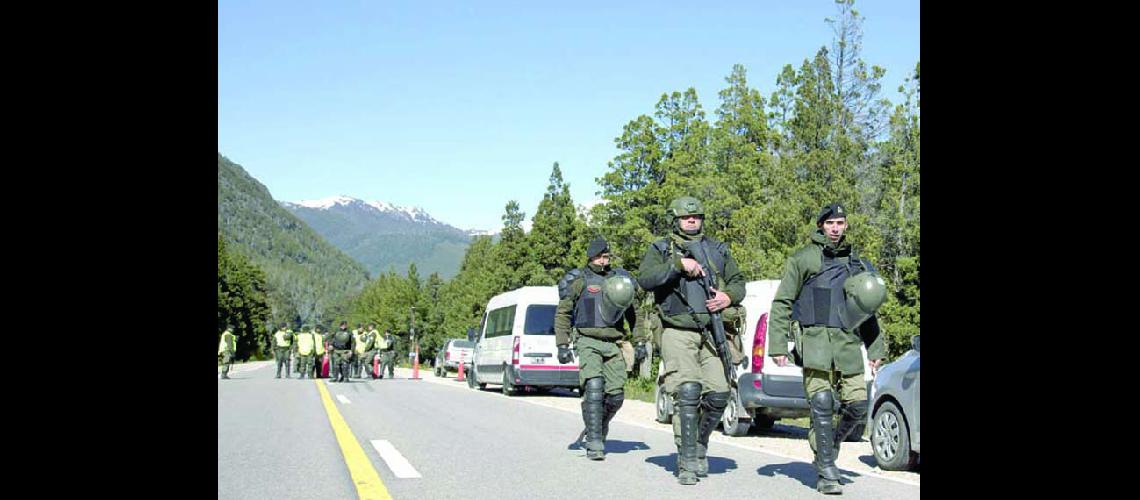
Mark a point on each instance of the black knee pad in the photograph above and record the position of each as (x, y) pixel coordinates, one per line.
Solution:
(855, 410)
(823, 402)
(715, 401)
(689, 394)
(614, 401)
(595, 389)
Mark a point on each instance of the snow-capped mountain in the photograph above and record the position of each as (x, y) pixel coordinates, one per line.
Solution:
(414, 214)
(384, 236)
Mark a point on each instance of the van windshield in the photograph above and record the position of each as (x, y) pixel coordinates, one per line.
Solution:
(539, 320)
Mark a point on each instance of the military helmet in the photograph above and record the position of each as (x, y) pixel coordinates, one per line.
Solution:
(865, 292)
(685, 205)
(618, 293)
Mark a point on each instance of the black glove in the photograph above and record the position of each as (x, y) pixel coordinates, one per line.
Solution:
(564, 354)
(639, 352)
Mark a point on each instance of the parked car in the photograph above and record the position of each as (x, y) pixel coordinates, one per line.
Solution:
(452, 353)
(765, 392)
(515, 344)
(894, 416)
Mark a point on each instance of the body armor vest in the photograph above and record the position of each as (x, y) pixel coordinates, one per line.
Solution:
(689, 290)
(588, 309)
(821, 299)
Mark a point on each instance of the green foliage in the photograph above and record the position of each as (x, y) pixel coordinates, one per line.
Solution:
(762, 170)
(242, 303)
(306, 278)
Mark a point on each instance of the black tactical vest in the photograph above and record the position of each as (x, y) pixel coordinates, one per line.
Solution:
(588, 308)
(821, 297)
(689, 290)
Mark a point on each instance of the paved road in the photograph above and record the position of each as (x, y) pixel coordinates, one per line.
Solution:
(276, 440)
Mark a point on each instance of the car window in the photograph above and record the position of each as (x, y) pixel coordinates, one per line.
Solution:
(462, 344)
(539, 320)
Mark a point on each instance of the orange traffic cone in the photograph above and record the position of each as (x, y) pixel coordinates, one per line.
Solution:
(460, 377)
(416, 365)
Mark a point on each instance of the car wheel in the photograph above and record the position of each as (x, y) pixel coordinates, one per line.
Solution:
(890, 439)
(508, 387)
(734, 425)
(664, 404)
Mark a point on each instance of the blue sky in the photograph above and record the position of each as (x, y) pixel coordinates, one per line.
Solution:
(459, 106)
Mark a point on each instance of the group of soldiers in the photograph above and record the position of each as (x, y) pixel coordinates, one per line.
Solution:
(350, 352)
(825, 302)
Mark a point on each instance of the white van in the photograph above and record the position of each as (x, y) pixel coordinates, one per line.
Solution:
(515, 345)
(766, 392)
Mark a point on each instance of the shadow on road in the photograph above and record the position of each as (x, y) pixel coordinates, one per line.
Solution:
(803, 472)
(781, 431)
(717, 465)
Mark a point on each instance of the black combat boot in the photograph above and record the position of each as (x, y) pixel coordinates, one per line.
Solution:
(850, 416)
(821, 414)
(712, 408)
(593, 414)
(688, 416)
(612, 403)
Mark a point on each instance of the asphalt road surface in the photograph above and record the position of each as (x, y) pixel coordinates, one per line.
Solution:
(432, 438)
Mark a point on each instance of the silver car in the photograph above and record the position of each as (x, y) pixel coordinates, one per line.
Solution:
(894, 416)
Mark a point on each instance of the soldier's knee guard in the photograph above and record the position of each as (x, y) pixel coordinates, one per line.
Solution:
(712, 408)
(850, 416)
(612, 403)
(822, 410)
(593, 412)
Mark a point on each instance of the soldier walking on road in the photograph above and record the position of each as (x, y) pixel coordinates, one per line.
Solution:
(305, 346)
(672, 269)
(342, 346)
(388, 354)
(596, 304)
(226, 349)
(282, 347)
(360, 352)
(826, 301)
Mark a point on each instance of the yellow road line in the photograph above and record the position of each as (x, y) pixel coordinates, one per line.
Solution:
(364, 476)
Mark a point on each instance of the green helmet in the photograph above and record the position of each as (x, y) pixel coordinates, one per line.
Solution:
(618, 293)
(685, 205)
(865, 293)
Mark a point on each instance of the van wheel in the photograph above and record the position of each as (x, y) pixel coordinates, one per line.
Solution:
(890, 439)
(508, 388)
(664, 405)
(734, 425)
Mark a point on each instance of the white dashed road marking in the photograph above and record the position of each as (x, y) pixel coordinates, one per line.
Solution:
(343, 399)
(399, 465)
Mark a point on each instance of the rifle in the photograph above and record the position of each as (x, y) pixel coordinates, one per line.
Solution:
(720, 340)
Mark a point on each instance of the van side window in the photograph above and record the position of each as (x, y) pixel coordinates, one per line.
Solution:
(500, 321)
